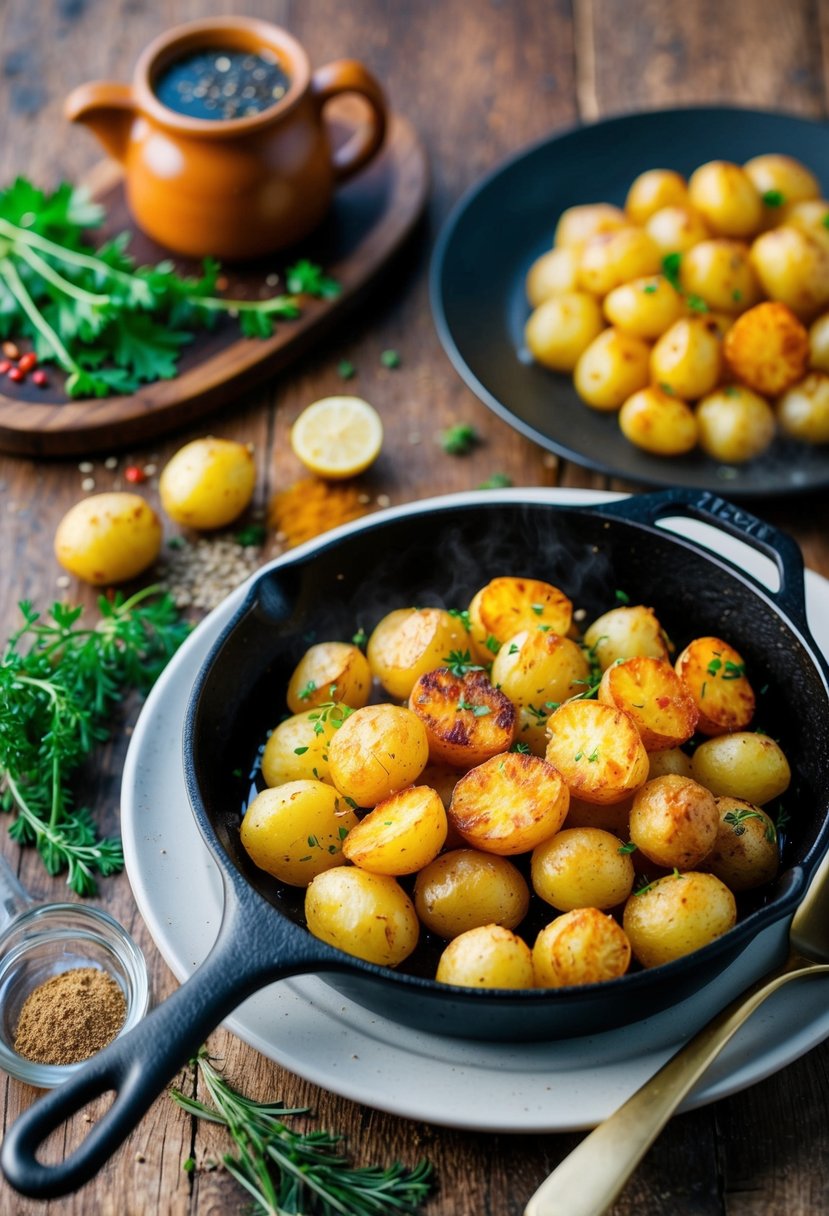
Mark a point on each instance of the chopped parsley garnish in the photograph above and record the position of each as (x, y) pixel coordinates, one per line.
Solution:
(522, 748)
(736, 820)
(480, 711)
(670, 268)
(390, 358)
(630, 847)
(308, 691)
(459, 440)
(492, 644)
(498, 481)
(622, 597)
(346, 369)
(359, 638)
(250, 537)
(774, 198)
(462, 615)
(306, 278)
(459, 662)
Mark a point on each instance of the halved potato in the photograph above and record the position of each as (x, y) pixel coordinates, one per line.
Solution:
(466, 888)
(767, 348)
(509, 804)
(714, 674)
(410, 641)
(676, 915)
(506, 605)
(673, 821)
(329, 671)
(466, 720)
(597, 750)
(584, 946)
(401, 835)
(379, 750)
(653, 694)
(537, 666)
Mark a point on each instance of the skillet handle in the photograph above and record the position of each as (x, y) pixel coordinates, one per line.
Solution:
(710, 508)
(139, 1065)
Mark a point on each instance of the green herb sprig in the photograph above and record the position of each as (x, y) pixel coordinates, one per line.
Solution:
(288, 1172)
(59, 683)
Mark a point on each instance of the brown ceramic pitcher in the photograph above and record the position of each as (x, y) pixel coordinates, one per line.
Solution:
(240, 187)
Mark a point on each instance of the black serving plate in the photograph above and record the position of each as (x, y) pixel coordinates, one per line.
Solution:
(507, 220)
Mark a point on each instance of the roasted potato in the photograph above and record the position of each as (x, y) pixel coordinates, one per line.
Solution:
(744, 764)
(584, 946)
(609, 817)
(781, 180)
(671, 760)
(720, 273)
(561, 328)
(401, 835)
(108, 538)
(745, 854)
(612, 367)
(531, 731)
(687, 359)
(367, 915)
(509, 804)
(673, 821)
(578, 224)
(465, 719)
(658, 422)
(734, 424)
(803, 411)
(810, 216)
(714, 674)
(793, 267)
(297, 748)
(581, 868)
(676, 915)
(409, 642)
(726, 198)
(487, 957)
(506, 605)
(379, 750)
(536, 667)
(644, 308)
(819, 344)
(676, 229)
(767, 348)
(651, 692)
(296, 831)
(552, 274)
(612, 258)
(465, 889)
(597, 750)
(624, 633)
(329, 671)
(653, 190)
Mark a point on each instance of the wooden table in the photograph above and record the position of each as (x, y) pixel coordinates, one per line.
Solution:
(480, 80)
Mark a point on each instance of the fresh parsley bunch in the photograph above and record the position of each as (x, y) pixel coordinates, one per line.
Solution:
(112, 325)
(59, 683)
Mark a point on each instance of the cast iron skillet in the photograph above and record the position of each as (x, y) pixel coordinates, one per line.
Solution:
(442, 552)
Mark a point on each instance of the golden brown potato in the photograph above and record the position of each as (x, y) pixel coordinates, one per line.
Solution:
(734, 424)
(612, 367)
(367, 915)
(671, 760)
(466, 720)
(509, 804)
(552, 274)
(597, 750)
(531, 731)
(767, 348)
(561, 328)
(401, 835)
(298, 747)
(645, 307)
(656, 699)
(676, 915)
(329, 671)
(465, 889)
(379, 750)
(687, 359)
(793, 267)
(726, 198)
(720, 273)
(612, 258)
(584, 946)
(653, 190)
(506, 605)
(535, 667)
(744, 764)
(745, 854)
(810, 216)
(611, 817)
(658, 422)
(676, 229)
(623, 633)
(819, 344)
(714, 674)
(296, 831)
(486, 957)
(582, 868)
(578, 224)
(780, 180)
(409, 642)
(803, 411)
(673, 821)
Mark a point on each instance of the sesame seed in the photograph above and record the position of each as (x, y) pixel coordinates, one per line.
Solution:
(63, 581)
(88, 483)
(383, 500)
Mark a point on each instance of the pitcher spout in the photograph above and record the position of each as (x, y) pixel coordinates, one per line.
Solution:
(108, 109)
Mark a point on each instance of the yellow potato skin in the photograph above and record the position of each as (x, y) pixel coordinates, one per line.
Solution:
(676, 229)
(735, 425)
(298, 747)
(486, 957)
(726, 198)
(623, 633)
(329, 671)
(597, 750)
(719, 272)
(676, 915)
(509, 804)
(819, 343)
(401, 835)
(408, 642)
(745, 853)
(673, 822)
(561, 328)
(552, 274)
(803, 411)
(645, 307)
(535, 667)
(784, 175)
(108, 538)
(612, 258)
(465, 888)
(714, 674)
(669, 760)
(793, 267)
(584, 946)
(743, 764)
(581, 868)
(653, 190)
(208, 483)
(613, 366)
(658, 422)
(687, 359)
(507, 605)
(379, 750)
(578, 224)
(279, 824)
(367, 915)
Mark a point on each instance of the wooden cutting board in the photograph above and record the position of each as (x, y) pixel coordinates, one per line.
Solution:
(371, 216)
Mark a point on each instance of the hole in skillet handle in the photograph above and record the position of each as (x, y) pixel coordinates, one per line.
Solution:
(254, 947)
(710, 508)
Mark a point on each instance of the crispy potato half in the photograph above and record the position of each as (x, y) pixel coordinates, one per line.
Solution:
(623, 633)
(597, 750)
(584, 946)
(538, 665)
(401, 835)
(408, 642)
(767, 348)
(507, 605)
(379, 750)
(509, 804)
(329, 671)
(653, 694)
(714, 674)
(466, 719)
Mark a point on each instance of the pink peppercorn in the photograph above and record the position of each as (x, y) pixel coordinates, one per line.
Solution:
(40, 378)
(16, 375)
(135, 475)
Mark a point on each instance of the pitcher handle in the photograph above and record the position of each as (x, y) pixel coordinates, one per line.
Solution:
(349, 76)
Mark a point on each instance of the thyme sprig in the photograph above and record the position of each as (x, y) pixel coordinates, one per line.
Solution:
(287, 1172)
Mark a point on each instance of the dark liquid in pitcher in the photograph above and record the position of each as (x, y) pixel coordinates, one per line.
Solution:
(222, 84)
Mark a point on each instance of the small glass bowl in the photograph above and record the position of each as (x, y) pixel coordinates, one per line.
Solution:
(45, 940)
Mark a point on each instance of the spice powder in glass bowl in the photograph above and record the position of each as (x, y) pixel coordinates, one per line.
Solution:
(70, 1017)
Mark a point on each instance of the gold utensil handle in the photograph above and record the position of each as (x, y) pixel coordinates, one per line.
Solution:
(590, 1178)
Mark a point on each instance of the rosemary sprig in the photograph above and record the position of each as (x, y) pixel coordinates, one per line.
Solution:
(288, 1173)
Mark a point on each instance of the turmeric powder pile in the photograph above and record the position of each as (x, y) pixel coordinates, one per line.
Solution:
(312, 506)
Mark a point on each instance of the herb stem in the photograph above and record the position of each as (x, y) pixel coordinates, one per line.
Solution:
(8, 271)
(72, 257)
(281, 306)
(65, 286)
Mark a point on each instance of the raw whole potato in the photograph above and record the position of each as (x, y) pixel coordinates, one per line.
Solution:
(409, 642)
(745, 765)
(653, 190)
(745, 854)
(552, 274)
(735, 424)
(673, 821)
(687, 359)
(487, 957)
(584, 946)
(561, 328)
(208, 483)
(597, 750)
(506, 605)
(401, 835)
(785, 178)
(296, 831)
(652, 693)
(658, 422)
(720, 273)
(803, 412)
(767, 348)
(623, 633)
(671, 760)
(509, 804)
(108, 538)
(676, 229)
(715, 675)
(465, 719)
(676, 915)
(329, 671)
(819, 344)
(793, 267)
(298, 747)
(645, 307)
(536, 667)
(726, 198)
(578, 224)
(612, 367)
(465, 889)
(582, 868)
(379, 750)
(367, 915)
(612, 258)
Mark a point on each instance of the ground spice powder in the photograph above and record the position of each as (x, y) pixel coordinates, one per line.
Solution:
(70, 1017)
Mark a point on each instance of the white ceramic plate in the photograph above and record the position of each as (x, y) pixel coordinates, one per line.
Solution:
(309, 1028)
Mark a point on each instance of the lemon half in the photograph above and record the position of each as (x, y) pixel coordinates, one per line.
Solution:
(338, 436)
